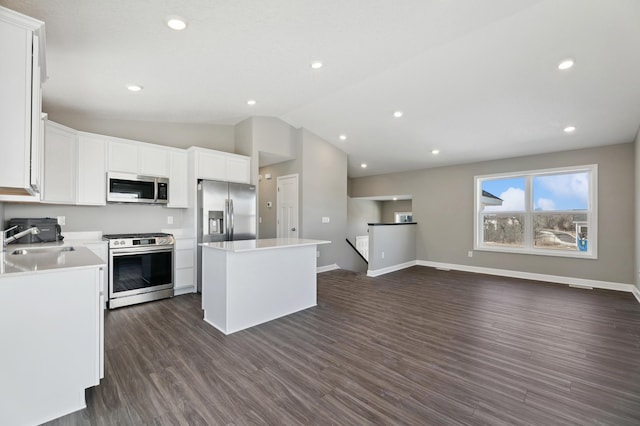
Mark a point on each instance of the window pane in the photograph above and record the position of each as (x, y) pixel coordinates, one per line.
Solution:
(503, 195)
(503, 230)
(568, 191)
(560, 231)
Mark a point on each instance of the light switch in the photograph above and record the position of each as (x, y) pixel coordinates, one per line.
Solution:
(170, 220)
(325, 219)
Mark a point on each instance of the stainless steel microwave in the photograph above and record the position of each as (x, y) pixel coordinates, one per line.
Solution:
(132, 188)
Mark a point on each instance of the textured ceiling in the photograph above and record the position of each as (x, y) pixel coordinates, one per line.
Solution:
(475, 79)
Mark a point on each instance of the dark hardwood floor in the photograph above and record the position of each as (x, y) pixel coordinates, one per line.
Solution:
(419, 346)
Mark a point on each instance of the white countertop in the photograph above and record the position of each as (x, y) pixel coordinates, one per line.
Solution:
(47, 257)
(263, 244)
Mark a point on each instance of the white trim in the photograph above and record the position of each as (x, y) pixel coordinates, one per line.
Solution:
(388, 269)
(327, 268)
(179, 291)
(636, 293)
(607, 285)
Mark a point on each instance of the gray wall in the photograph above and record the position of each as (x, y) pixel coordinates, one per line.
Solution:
(359, 214)
(443, 207)
(324, 189)
(110, 219)
(397, 242)
(179, 135)
(636, 270)
(389, 208)
(2, 226)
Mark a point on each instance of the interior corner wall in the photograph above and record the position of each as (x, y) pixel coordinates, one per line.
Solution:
(180, 135)
(324, 184)
(359, 214)
(636, 271)
(443, 208)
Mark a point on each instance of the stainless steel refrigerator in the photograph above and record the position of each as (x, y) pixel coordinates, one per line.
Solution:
(226, 212)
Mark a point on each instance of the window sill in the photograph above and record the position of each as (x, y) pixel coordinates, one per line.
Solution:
(541, 252)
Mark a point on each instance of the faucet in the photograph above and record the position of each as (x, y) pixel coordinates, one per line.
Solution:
(6, 240)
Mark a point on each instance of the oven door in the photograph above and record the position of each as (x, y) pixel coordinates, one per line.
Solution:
(140, 270)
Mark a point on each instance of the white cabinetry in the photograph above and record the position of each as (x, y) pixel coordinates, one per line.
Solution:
(91, 170)
(178, 180)
(137, 157)
(123, 156)
(22, 47)
(60, 150)
(216, 165)
(184, 277)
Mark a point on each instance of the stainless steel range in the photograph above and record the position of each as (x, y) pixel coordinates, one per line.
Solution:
(140, 268)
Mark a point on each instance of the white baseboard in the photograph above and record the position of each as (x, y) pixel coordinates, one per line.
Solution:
(183, 290)
(636, 293)
(393, 268)
(607, 285)
(327, 268)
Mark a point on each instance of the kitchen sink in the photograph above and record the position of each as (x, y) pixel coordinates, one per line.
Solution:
(42, 250)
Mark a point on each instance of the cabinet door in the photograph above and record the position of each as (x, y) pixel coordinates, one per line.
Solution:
(123, 157)
(211, 166)
(239, 169)
(92, 170)
(60, 149)
(153, 161)
(15, 109)
(178, 181)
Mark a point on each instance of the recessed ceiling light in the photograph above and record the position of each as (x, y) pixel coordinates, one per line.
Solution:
(343, 137)
(251, 102)
(566, 64)
(435, 151)
(398, 114)
(363, 165)
(176, 23)
(395, 198)
(570, 129)
(316, 65)
(134, 87)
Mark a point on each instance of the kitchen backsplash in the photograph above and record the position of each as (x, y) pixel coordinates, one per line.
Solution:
(112, 218)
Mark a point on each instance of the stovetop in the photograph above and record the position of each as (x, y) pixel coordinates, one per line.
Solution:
(128, 236)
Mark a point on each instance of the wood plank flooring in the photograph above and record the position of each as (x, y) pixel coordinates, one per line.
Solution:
(419, 346)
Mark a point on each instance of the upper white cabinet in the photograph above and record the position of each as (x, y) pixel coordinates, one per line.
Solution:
(22, 47)
(178, 179)
(92, 170)
(223, 166)
(60, 159)
(137, 157)
(123, 156)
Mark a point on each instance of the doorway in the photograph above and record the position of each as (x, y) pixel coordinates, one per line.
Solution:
(287, 202)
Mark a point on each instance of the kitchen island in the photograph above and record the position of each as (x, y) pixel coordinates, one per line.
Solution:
(246, 283)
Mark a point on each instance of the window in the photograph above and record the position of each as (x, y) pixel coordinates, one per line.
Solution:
(549, 212)
(403, 217)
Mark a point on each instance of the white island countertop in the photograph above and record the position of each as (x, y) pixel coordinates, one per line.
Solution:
(45, 257)
(262, 244)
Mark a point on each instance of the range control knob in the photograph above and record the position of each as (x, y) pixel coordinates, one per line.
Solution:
(115, 243)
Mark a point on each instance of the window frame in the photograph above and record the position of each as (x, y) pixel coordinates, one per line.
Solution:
(529, 212)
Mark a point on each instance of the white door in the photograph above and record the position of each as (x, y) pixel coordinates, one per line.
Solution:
(287, 201)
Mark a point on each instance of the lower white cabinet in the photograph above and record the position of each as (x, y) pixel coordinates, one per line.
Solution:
(60, 157)
(184, 262)
(51, 342)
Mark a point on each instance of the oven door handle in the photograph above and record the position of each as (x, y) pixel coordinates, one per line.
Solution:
(141, 250)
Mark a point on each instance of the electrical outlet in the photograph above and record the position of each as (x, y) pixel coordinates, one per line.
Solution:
(326, 219)
(383, 255)
(470, 253)
(260, 219)
(170, 220)
(61, 220)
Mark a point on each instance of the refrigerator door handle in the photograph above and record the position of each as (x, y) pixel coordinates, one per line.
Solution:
(226, 218)
(232, 220)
